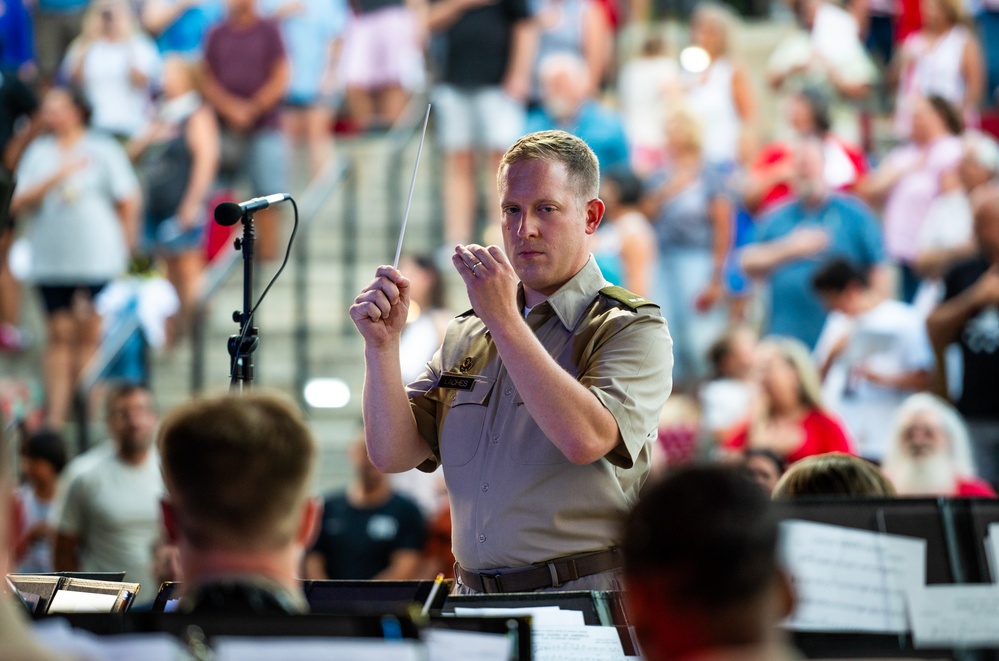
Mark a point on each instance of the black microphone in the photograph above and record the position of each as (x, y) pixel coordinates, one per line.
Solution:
(229, 213)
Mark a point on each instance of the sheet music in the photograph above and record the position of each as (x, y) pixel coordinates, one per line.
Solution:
(850, 580)
(59, 637)
(341, 649)
(955, 616)
(68, 601)
(446, 645)
(586, 643)
(541, 616)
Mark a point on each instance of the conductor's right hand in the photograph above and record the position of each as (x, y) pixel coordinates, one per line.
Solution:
(381, 309)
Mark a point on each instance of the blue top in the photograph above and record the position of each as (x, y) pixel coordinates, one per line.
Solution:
(598, 126)
(308, 33)
(795, 309)
(62, 6)
(16, 35)
(186, 35)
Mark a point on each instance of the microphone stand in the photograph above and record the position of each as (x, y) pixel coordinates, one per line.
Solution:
(242, 346)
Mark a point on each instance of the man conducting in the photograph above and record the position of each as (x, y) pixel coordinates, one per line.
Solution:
(543, 399)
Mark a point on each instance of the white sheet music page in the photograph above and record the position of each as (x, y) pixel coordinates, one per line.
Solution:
(955, 616)
(447, 644)
(587, 643)
(850, 580)
(341, 649)
(68, 601)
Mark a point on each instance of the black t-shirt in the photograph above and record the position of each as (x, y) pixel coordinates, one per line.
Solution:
(979, 341)
(357, 544)
(16, 101)
(477, 45)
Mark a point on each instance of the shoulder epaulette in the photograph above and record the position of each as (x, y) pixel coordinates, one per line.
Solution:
(626, 298)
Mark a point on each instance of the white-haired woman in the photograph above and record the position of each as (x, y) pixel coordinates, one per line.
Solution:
(929, 452)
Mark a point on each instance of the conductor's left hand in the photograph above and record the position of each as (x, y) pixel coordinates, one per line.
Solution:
(490, 281)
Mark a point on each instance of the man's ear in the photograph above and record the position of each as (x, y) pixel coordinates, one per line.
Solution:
(308, 526)
(594, 214)
(170, 521)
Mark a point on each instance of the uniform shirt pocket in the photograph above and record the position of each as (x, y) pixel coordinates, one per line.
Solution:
(464, 422)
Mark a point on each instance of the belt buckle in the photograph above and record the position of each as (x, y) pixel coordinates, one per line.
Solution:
(491, 583)
(553, 570)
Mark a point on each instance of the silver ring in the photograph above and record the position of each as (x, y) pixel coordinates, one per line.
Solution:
(475, 264)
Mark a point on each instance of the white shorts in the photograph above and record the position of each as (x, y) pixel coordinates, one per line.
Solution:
(382, 49)
(477, 117)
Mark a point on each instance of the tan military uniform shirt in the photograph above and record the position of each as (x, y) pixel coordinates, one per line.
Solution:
(515, 498)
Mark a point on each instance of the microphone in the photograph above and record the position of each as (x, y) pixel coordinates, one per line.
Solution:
(229, 213)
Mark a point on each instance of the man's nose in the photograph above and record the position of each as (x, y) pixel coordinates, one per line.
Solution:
(528, 225)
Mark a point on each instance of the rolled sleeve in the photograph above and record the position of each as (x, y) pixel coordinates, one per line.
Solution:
(631, 374)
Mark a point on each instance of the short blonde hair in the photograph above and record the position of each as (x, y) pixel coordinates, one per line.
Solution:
(237, 470)
(689, 126)
(833, 474)
(723, 18)
(557, 147)
(954, 11)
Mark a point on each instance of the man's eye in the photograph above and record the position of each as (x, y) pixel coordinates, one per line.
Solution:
(547, 209)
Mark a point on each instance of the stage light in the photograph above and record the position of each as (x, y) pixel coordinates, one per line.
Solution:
(695, 59)
(327, 394)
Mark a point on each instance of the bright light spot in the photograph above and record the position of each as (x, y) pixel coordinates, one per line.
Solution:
(695, 59)
(327, 394)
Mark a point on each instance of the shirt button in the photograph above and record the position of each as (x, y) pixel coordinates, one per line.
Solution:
(507, 392)
(485, 487)
(482, 538)
(496, 439)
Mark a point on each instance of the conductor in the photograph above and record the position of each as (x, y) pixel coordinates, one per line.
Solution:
(543, 400)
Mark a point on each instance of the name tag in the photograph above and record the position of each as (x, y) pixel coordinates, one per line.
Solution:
(456, 382)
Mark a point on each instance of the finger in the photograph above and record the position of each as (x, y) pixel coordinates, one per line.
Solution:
(393, 274)
(498, 255)
(390, 289)
(365, 311)
(466, 256)
(482, 256)
(378, 298)
(464, 270)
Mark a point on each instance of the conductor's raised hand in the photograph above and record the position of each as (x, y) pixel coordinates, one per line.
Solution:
(380, 311)
(490, 281)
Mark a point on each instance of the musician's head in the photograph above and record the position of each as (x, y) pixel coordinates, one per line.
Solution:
(237, 472)
(703, 576)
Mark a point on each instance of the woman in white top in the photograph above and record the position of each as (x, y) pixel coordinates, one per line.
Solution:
(79, 198)
(116, 65)
(720, 96)
(943, 59)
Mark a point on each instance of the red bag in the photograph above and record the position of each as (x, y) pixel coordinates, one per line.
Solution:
(217, 237)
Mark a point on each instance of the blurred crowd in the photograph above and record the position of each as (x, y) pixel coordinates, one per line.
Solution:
(822, 235)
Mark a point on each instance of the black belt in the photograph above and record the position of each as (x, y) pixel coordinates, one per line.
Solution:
(551, 574)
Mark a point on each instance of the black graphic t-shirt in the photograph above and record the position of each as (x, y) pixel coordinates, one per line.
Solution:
(979, 341)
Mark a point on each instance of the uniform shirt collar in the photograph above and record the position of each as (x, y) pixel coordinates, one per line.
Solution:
(571, 300)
